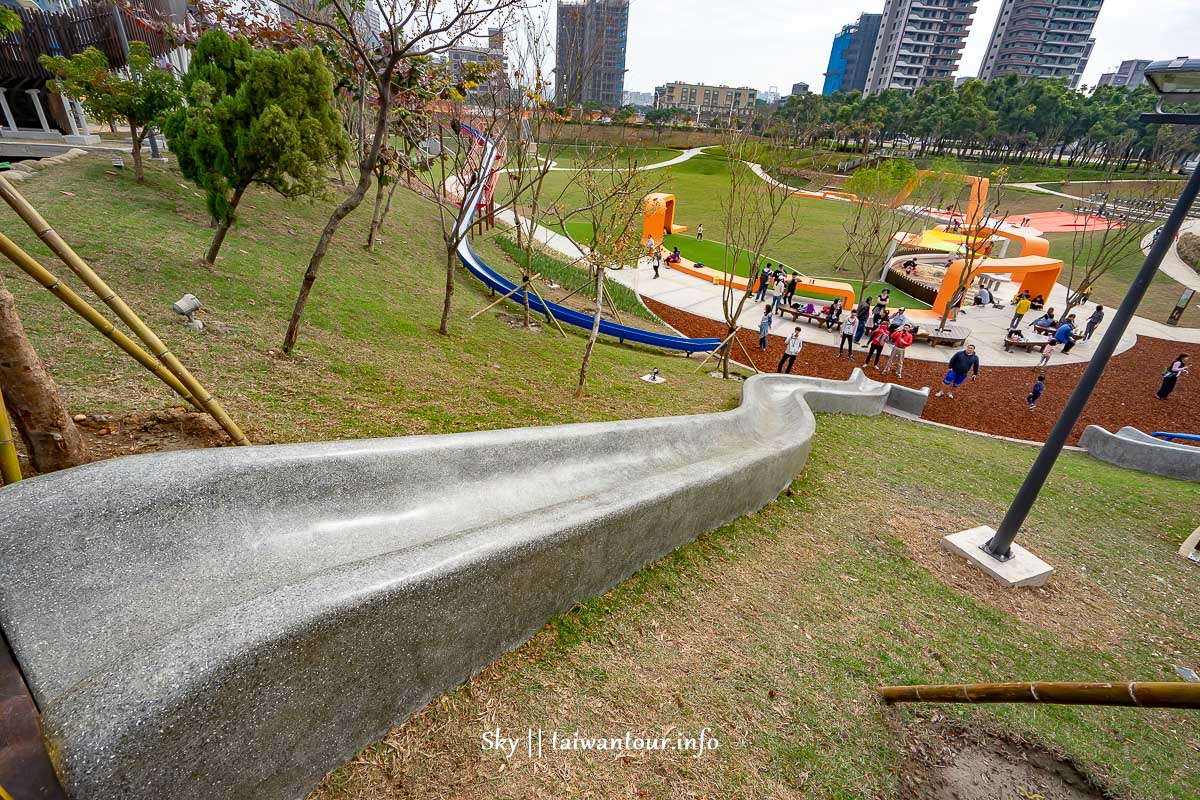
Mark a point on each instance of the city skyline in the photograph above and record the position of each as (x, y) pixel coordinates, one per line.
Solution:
(783, 42)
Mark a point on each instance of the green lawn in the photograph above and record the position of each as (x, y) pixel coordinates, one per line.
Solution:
(774, 632)
(370, 361)
(1110, 289)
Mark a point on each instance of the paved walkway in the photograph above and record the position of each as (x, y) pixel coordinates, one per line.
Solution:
(1172, 264)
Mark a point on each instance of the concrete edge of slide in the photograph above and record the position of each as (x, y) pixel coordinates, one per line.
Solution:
(1133, 449)
(235, 622)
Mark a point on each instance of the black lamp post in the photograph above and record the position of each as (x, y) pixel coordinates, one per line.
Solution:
(1176, 81)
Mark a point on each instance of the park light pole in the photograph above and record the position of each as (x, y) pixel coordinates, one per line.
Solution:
(1176, 81)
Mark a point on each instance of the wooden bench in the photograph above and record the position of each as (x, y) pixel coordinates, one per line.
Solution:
(952, 335)
(816, 317)
(1028, 345)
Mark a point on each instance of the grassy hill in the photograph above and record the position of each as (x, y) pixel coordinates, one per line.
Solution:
(773, 630)
(370, 361)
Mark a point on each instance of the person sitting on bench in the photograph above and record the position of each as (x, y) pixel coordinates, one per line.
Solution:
(674, 258)
(1038, 303)
(1045, 321)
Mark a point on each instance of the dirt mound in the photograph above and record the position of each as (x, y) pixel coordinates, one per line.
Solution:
(946, 762)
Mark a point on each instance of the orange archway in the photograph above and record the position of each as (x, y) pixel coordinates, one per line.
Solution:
(976, 202)
(659, 217)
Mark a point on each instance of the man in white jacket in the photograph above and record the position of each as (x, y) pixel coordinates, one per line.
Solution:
(791, 348)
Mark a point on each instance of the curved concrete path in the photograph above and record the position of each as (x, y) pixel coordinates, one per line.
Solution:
(235, 622)
(686, 155)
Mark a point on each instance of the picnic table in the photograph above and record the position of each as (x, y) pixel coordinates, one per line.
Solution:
(1050, 330)
(1028, 345)
(950, 335)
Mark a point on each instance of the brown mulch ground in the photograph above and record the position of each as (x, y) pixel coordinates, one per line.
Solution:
(996, 402)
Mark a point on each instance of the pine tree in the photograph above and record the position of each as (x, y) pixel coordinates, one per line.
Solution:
(254, 116)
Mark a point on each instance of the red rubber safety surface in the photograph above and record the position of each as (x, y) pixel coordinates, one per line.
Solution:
(996, 402)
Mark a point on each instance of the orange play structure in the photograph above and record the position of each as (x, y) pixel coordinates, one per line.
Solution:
(976, 201)
(659, 218)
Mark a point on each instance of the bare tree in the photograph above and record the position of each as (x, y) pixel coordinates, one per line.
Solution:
(50, 436)
(1130, 211)
(976, 244)
(756, 214)
(606, 226)
(390, 60)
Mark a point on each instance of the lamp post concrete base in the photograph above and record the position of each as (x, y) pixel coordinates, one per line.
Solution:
(1190, 549)
(1023, 569)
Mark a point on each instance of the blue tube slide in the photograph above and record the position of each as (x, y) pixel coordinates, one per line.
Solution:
(569, 316)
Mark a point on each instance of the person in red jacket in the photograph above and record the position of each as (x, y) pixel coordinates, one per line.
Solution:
(875, 345)
(901, 340)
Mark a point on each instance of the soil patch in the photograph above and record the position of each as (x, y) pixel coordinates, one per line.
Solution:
(112, 435)
(945, 762)
(996, 402)
(1070, 606)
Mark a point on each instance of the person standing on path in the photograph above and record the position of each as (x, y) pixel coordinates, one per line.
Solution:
(901, 340)
(962, 363)
(849, 326)
(1171, 375)
(791, 289)
(1093, 322)
(764, 327)
(649, 244)
(764, 282)
(791, 348)
(656, 261)
(700, 232)
(1035, 393)
(1065, 335)
(875, 348)
(1023, 305)
(862, 314)
(777, 289)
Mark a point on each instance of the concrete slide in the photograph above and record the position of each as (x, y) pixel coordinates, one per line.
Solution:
(1133, 449)
(235, 622)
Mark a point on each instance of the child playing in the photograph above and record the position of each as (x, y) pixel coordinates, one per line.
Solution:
(1036, 393)
(1047, 351)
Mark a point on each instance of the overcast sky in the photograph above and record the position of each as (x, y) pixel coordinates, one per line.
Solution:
(764, 43)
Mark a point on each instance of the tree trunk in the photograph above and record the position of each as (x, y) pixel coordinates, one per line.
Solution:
(376, 214)
(366, 170)
(223, 227)
(451, 263)
(138, 174)
(32, 398)
(595, 334)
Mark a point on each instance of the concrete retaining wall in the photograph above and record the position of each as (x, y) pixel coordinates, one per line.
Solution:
(235, 622)
(1133, 449)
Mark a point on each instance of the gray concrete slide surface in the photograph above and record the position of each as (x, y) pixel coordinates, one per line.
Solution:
(1133, 449)
(235, 622)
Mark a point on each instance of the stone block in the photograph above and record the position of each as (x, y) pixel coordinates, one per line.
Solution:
(1023, 569)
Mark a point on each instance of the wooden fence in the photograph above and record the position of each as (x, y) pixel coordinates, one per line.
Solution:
(71, 32)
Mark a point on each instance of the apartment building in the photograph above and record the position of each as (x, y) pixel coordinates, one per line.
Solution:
(706, 102)
(1042, 39)
(590, 54)
(850, 56)
(1130, 74)
(919, 42)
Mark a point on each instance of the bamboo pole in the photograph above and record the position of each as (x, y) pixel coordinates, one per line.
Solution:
(549, 313)
(98, 321)
(504, 297)
(124, 313)
(10, 467)
(746, 353)
(1144, 694)
(724, 342)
